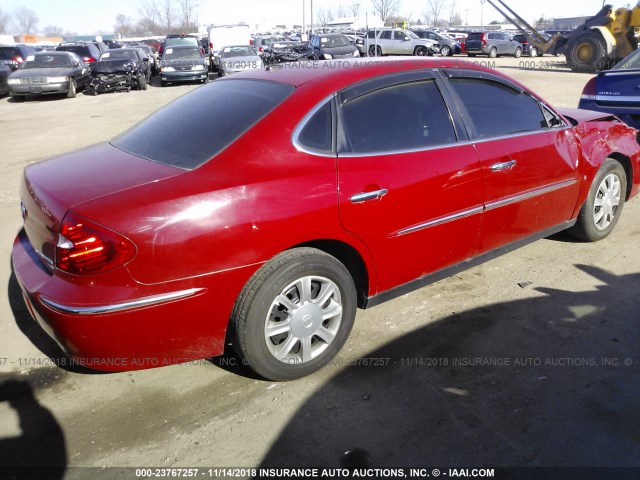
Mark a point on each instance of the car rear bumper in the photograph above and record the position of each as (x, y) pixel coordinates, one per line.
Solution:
(132, 326)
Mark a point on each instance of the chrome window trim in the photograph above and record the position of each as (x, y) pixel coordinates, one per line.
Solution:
(118, 307)
(439, 221)
(295, 136)
(536, 192)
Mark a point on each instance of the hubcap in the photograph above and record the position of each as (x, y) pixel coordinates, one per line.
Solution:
(303, 320)
(606, 202)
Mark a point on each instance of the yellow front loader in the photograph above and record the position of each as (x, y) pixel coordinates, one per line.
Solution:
(602, 40)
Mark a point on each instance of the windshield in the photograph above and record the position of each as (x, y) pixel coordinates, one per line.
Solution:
(238, 52)
(334, 41)
(180, 41)
(9, 53)
(411, 34)
(631, 61)
(197, 126)
(48, 61)
(173, 53)
(119, 55)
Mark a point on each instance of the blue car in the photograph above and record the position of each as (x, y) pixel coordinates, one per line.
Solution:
(616, 91)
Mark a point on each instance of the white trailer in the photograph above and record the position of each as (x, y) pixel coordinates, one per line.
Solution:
(221, 36)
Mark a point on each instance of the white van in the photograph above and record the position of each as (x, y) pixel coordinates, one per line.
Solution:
(226, 35)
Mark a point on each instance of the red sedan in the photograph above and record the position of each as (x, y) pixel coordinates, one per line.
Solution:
(268, 206)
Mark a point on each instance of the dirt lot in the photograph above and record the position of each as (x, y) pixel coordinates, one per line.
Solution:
(528, 360)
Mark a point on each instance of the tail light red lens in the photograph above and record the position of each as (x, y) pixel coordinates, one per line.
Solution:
(484, 39)
(589, 91)
(88, 59)
(18, 59)
(211, 45)
(86, 248)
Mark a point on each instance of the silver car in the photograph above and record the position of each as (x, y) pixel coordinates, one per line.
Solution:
(396, 41)
(238, 58)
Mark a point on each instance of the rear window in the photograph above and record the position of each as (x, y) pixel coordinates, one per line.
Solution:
(6, 53)
(475, 36)
(196, 127)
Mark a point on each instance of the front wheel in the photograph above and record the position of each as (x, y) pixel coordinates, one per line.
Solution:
(421, 52)
(445, 51)
(72, 88)
(600, 212)
(142, 82)
(294, 314)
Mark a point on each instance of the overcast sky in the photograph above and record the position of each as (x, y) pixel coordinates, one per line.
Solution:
(86, 17)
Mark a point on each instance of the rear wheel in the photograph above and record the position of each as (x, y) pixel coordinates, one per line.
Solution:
(493, 52)
(518, 52)
(375, 51)
(471, 54)
(587, 52)
(72, 88)
(533, 52)
(294, 314)
(142, 82)
(163, 83)
(600, 212)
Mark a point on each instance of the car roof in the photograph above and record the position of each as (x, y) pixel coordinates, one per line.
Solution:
(183, 47)
(342, 73)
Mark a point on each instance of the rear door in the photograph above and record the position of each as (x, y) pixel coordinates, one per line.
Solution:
(385, 40)
(407, 187)
(528, 154)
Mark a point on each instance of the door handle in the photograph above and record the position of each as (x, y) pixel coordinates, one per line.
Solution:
(366, 196)
(499, 167)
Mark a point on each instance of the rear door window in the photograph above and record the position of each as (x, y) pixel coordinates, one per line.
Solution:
(409, 116)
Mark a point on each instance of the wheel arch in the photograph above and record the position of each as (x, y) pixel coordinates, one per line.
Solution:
(351, 258)
(628, 170)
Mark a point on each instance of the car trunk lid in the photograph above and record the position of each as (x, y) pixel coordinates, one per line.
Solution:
(49, 189)
(618, 87)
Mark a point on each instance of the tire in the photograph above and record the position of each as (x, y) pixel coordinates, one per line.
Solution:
(142, 82)
(163, 83)
(72, 89)
(421, 51)
(375, 51)
(205, 80)
(533, 52)
(609, 189)
(517, 53)
(471, 54)
(302, 340)
(493, 52)
(587, 52)
(446, 51)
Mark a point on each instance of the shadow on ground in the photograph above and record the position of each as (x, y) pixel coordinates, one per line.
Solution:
(536, 382)
(39, 452)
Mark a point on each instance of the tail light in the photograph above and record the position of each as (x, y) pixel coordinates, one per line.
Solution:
(251, 42)
(484, 40)
(18, 59)
(86, 248)
(210, 45)
(589, 91)
(88, 59)
(261, 49)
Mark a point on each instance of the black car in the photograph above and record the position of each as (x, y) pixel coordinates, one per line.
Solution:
(88, 52)
(286, 52)
(120, 69)
(448, 46)
(527, 48)
(15, 55)
(331, 46)
(49, 73)
(5, 70)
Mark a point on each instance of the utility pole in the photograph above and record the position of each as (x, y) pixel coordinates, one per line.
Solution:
(482, 13)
